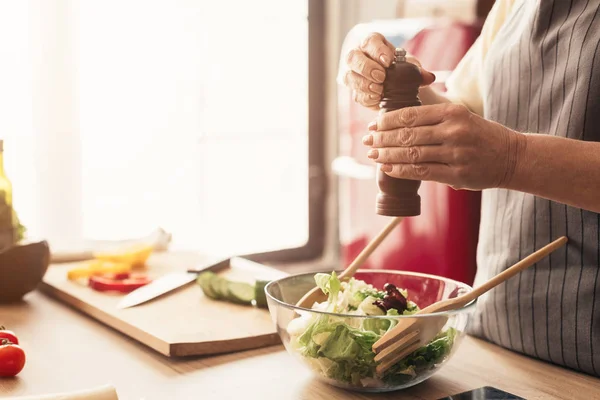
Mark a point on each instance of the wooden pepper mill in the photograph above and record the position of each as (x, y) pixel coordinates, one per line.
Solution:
(399, 197)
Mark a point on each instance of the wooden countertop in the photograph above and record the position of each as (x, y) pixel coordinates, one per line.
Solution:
(68, 351)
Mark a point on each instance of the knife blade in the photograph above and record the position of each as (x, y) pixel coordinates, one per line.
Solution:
(168, 283)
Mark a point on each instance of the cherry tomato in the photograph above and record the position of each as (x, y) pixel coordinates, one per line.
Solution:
(9, 335)
(12, 358)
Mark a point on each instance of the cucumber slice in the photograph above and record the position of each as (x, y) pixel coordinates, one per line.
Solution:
(205, 281)
(240, 292)
(215, 285)
(219, 288)
(259, 293)
(204, 277)
(222, 288)
(209, 292)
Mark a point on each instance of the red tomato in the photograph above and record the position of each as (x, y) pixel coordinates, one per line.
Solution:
(12, 359)
(9, 335)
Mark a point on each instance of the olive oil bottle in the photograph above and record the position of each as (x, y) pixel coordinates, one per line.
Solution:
(8, 221)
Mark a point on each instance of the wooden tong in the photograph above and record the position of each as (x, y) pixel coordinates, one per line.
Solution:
(316, 295)
(412, 333)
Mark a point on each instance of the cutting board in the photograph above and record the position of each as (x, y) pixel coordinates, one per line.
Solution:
(183, 322)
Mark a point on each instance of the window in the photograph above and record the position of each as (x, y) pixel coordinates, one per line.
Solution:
(202, 117)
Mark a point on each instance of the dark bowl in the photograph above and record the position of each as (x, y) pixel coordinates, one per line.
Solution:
(22, 268)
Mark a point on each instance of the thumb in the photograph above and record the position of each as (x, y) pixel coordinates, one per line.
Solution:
(428, 77)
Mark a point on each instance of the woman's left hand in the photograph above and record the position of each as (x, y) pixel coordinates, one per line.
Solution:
(445, 143)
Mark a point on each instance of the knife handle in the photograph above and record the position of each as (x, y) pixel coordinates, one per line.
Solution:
(215, 266)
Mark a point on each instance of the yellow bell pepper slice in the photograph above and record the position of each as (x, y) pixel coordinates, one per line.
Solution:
(98, 267)
(136, 256)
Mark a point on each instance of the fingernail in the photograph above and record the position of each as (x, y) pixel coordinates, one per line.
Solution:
(386, 168)
(367, 140)
(384, 60)
(425, 73)
(378, 75)
(373, 154)
(376, 88)
(373, 125)
(431, 74)
(373, 96)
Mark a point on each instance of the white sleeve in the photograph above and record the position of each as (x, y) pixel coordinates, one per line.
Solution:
(464, 85)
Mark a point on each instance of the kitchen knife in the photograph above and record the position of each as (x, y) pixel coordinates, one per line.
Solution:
(168, 283)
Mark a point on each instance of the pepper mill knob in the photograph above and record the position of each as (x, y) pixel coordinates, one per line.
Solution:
(399, 197)
(400, 54)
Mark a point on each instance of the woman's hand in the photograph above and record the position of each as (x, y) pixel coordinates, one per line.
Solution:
(366, 69)
(445, 143)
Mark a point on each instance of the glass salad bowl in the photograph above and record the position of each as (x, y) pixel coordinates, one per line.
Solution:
(335, 338)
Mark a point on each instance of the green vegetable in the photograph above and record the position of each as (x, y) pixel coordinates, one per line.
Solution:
(344, 353)
(204, 280)
(376, 325)
(350, 350)
(240, 292)
(330, 285)
(422, 359)
(411, 309)
(361, 295)
(219, 288)
(259, 293)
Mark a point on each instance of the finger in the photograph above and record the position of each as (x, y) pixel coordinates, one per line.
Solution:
(428, 76)
(365, 99)
(378, 49)
(409, 117)
(363, 65)
(406, 137)
(412, 155)
(425, 172)
(359, 83)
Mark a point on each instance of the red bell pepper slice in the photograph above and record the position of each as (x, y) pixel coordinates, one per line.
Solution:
(117, 276)
(118, 283)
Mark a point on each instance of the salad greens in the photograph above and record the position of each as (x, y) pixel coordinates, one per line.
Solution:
(340, 348)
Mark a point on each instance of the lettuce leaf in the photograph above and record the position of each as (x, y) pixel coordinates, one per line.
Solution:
(422, 359)
(330, 285)
(349, 349)
(361, 295)
(351, 357)
(341, 349)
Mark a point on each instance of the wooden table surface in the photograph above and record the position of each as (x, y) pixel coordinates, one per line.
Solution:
(68, 351)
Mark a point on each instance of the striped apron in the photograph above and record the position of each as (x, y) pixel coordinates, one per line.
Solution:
(542, 75)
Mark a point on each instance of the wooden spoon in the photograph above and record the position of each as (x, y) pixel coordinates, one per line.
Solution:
(317, 295)
(413, 333)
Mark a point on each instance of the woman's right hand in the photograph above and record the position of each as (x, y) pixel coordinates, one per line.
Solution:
(366, 69)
